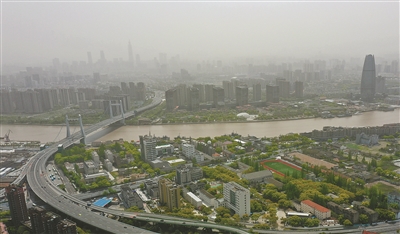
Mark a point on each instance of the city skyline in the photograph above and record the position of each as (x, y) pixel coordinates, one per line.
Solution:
(35, 33)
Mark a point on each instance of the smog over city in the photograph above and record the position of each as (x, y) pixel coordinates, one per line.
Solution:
(199, 117)
(33, 33)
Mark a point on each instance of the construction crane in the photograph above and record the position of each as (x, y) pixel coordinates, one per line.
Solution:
(7, 136)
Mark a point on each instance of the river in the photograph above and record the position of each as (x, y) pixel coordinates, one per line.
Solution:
(259, 129)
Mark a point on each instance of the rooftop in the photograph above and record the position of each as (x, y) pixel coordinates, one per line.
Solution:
(315, 206)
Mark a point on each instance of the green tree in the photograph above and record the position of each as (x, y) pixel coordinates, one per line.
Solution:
(347, 223)
(363, 218)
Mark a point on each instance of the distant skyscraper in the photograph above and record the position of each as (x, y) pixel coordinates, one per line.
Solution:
(171, 98)
(89, 58)
(218, 96)
(16, 201)
(380, 85)
(130, 54)
(368, 79)
(193, 102)
(242, 95)
(298, 89)
(256, 92)
(272, 93)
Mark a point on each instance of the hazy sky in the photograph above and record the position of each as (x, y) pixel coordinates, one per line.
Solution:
(34, 32)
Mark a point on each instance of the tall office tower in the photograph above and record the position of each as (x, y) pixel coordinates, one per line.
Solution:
(242, 95)
(200, 87)
(194, 103)
(137, 60)
(237, 198)
(130, 55)
(6, 105)
(148, 148)
(89, 58)
(141, 91)
(218, 97)
(395, 67)
(228, 89)
(256, 92)
(36, 215)
(298, 89)
(208, 90)
(169, 193)
(368, 79)
(380, 84)
(284, 88)
(272, 93)
(16, 201)
(124, 88)
(171, 98)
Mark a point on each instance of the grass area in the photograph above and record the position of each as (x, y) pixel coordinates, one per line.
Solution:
(170, 158)
(373, 150)
(280, 167)
(177, 163)
(386, 188)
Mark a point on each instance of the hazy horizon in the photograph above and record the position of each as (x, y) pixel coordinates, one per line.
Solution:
(37, 32)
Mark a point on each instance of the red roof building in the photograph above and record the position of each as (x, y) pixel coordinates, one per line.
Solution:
(319, 211)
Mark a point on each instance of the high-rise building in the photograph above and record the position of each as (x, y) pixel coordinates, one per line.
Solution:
(380, 85)
(200, 87)
(6, 105)
(36, 215)
(368, 79)
(208, 89)
(298, 89)
(169, 193)
(194, 102)
(256, 92)
(395, 67)
(272, 93)
(148, 148)
(141, 91)
(228, 89)
(237, 198)
(50, 221)
(171, 98)
(218, 97)
(284, 88)
(187, 174)
(130, 55)
(89, 58)
(242, 95)
(66, 226)
(16, 201)
(32, 102)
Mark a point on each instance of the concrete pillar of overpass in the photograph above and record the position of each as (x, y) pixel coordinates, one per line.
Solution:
(67, 125)
(111, 114)
(82, 130)
(122, 111)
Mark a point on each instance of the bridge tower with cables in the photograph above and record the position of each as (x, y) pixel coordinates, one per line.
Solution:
(122, 110)
(83, 140)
